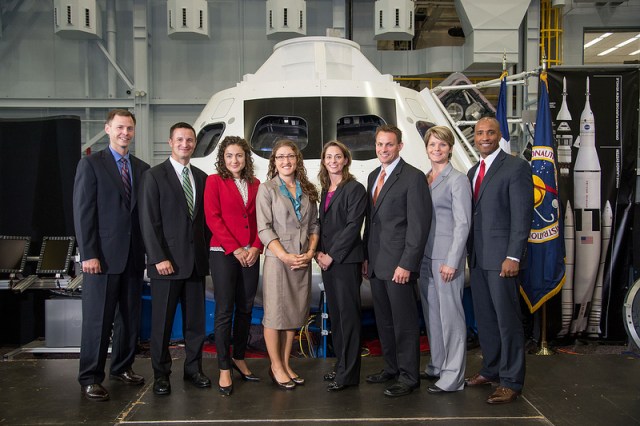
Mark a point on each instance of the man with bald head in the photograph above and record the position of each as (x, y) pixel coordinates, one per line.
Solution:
(503, 204)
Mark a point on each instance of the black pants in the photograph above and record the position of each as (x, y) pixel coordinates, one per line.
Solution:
(109, 302)
(234, 289)
(165, 295)
(342, 285)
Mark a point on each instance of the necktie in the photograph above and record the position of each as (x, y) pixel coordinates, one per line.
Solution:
(476, 188)
(379, 185)
(188, 190)
(126, 178)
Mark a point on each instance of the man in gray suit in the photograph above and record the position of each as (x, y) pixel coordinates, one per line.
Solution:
(502, 209)
(105, 216)
(174, 233)
(397, 225)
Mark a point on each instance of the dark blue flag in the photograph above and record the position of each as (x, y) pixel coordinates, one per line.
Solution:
(544, 275)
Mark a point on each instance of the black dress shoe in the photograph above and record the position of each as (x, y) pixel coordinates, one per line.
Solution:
(246, 377)
(380, 377)
(399, 389)
(284, 386)
(225, 390)
(434, 389)
(335, 387)
(199, 380)
(162, 386)
(329, 377)
(95, 392)
(426, 376)
(129, 377)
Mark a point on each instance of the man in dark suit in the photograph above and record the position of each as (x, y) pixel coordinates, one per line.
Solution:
(174, 232)
(397, 226)
(502, 208)
(105, 212)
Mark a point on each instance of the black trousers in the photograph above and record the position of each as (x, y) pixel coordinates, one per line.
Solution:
(165, 295)
(234, 289)
(109, 303)
(396, 310)
(342, 286)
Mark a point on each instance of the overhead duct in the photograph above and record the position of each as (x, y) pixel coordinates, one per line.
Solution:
(394, 19)
(286, 18)
(78, 19)
(491, 29)
(187, 19)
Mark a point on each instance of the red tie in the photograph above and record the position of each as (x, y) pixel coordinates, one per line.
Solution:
(476, 188)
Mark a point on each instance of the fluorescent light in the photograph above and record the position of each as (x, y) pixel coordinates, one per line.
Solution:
(634, 53)
(597, 40)
(631, 40)
(606, 52)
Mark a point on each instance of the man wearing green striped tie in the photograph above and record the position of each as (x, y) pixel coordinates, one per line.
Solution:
(174, 233)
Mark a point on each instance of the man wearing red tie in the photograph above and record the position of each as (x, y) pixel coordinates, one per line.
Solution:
(502, 208)
(396, 230)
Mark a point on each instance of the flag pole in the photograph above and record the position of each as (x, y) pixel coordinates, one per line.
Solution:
(544, 347)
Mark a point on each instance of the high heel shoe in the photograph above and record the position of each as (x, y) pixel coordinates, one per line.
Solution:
(225, 390)
(246, 377)
(285, 386)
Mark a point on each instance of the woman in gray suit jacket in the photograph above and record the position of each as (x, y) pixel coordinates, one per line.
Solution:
(441, 279)
(287, 217)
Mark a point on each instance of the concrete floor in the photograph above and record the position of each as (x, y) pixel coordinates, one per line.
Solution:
(561, 390)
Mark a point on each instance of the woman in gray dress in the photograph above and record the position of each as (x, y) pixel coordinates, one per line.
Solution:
(441, 279)
(288, 227)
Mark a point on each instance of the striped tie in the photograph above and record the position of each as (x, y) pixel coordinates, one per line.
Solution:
(188, 190)
(126, 179)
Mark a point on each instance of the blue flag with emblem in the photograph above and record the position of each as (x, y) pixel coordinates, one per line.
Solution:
(545, 272)
(501, 115)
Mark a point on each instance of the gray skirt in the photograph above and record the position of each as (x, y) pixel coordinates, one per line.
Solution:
(286, 295)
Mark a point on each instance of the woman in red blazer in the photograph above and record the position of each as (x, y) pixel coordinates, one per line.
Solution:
(230, 211)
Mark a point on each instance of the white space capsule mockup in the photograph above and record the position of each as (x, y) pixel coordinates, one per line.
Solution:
(315, 89)
(587, 218)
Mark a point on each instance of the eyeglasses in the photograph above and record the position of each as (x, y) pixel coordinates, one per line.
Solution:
(288, 157)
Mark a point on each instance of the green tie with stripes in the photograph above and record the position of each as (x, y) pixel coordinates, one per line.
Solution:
(188, 190)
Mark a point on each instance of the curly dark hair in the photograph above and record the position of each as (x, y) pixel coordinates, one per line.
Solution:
(323, 174)
(308, 188)
(247, 173)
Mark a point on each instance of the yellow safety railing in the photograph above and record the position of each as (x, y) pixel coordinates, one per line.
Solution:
(550, 33)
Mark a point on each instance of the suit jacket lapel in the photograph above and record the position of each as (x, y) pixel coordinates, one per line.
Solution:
(442, 176)
(289, 204)
(111, 167)
(199, 195)
(391, 179)
(176, 186)
(495, 166)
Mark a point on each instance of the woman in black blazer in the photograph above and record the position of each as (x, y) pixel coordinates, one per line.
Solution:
(340, 254)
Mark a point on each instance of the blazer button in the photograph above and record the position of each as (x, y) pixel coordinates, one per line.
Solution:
(246, 226)
(244, 216)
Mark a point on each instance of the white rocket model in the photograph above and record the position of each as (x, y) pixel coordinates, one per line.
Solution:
(593, 326)
(587, 217)
(567, 289)
(564, 138)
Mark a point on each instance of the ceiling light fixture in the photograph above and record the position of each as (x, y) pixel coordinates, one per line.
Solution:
(635, 53)
(606, 52)
(597, 40)
(631, 40)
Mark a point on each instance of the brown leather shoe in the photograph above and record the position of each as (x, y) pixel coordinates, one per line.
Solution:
(477, 380)
(503, 395)
(95, 392)
(129, 377)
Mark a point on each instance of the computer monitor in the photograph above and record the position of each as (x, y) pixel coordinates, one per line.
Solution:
(13, 253)
(55, 255)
